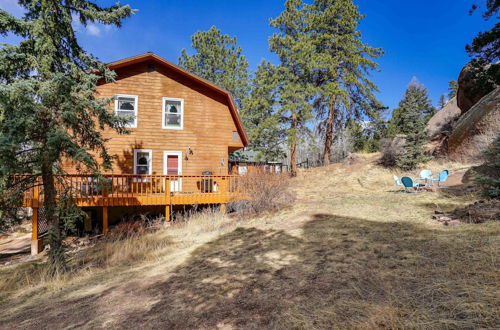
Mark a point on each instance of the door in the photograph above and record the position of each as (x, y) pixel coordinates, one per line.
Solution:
(172, 165)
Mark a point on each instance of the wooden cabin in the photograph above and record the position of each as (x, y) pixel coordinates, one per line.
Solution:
(182, 130)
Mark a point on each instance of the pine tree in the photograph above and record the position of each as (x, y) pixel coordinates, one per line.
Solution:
(486, 45)
(442, 102)
(261, 117)
(294, 90)
(491, 182)
(341, 64)
(410, 119)
(219, 60)
(452, 89)
(48, 108)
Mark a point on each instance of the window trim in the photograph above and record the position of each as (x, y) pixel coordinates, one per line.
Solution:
(150, 152)
(136, 103)
(163, 125)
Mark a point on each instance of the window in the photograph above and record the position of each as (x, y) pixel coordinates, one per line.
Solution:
(173, 111)
(142, 161)
(126, 106)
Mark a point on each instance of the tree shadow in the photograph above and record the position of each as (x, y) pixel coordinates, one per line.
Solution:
(125, 161)
(331, 272)
(338, 271)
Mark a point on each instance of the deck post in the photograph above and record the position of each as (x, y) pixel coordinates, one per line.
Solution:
(223, 208)
(168, 199)
(36, 244)
(105, 220)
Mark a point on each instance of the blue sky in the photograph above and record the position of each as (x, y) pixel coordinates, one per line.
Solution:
(422, 38)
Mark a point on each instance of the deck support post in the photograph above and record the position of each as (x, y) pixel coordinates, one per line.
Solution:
(167, 212)
(223, 208)
(105, 220)
(36, 244)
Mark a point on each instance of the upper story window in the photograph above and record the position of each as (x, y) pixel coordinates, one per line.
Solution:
(173, 113)
(126, 106)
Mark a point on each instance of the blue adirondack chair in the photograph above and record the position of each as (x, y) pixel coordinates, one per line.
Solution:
(408, 183)
(443, 176)
(426, 176)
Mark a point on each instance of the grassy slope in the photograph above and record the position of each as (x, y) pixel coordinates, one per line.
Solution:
(348, 254)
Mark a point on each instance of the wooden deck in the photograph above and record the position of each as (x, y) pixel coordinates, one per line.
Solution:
(136, 190)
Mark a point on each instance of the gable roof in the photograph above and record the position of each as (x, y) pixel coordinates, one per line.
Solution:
(153, 57)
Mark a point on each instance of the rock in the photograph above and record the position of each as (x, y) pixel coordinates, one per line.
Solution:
(444, 219)
(475, 130)
(473, 85)
(442, 121)
(438, 212)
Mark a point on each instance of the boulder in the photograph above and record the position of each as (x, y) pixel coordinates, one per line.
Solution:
(474, 82)
(477, 128)
(442, 121)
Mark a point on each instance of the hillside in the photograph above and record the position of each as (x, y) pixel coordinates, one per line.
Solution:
(350, 253)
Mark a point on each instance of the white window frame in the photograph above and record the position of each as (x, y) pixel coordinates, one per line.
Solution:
(136, 151)
(136, 98)
(163, 125)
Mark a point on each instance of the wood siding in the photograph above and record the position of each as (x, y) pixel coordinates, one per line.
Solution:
(208, 125)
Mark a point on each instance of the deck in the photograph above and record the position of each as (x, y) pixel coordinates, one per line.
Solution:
(136, 190)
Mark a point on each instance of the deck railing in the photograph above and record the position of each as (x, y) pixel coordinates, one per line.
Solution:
(124, 189)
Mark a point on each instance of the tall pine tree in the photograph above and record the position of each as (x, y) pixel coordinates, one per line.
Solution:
(261, 116)
(294, 90)
(410, 119)
(341, 65)
(48, 108)
(220, 60)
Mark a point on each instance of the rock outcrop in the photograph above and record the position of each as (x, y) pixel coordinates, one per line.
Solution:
(476, 129)
(442, 121)
(474, 83)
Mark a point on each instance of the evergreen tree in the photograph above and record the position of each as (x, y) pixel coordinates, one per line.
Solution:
(261, 117)
(219, 60)
(486, 45)
(491, 182)
(48, 108)
(410, 119)
(442, 102)
(341, 64)
(452, 89)
(294, 90)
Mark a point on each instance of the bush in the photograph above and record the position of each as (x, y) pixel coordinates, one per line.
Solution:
(391, 149)
(491, 182)
(265, 192)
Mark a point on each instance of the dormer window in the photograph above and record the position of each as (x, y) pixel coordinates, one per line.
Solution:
(126, 106)
(173, 113)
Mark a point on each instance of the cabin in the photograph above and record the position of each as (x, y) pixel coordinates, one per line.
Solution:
(182, 131)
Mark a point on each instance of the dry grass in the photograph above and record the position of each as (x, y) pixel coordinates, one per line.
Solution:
(348, 254)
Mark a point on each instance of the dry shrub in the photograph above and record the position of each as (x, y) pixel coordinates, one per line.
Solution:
(264, 192)
(391, 150)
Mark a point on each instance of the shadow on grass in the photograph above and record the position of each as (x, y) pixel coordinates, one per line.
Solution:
(339, 272)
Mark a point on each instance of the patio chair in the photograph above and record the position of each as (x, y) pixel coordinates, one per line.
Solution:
(426, 176)
(397, 183)
(443, 176)
(408, 183)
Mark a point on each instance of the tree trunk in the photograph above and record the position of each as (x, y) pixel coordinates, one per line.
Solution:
(56, 253)
(329, 133)
(293, 148)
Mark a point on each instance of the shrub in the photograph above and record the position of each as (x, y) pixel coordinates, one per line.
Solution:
(491, 182)
(391, 149)
(265, 192)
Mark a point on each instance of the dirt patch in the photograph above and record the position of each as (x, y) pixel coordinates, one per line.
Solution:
(478, 212)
